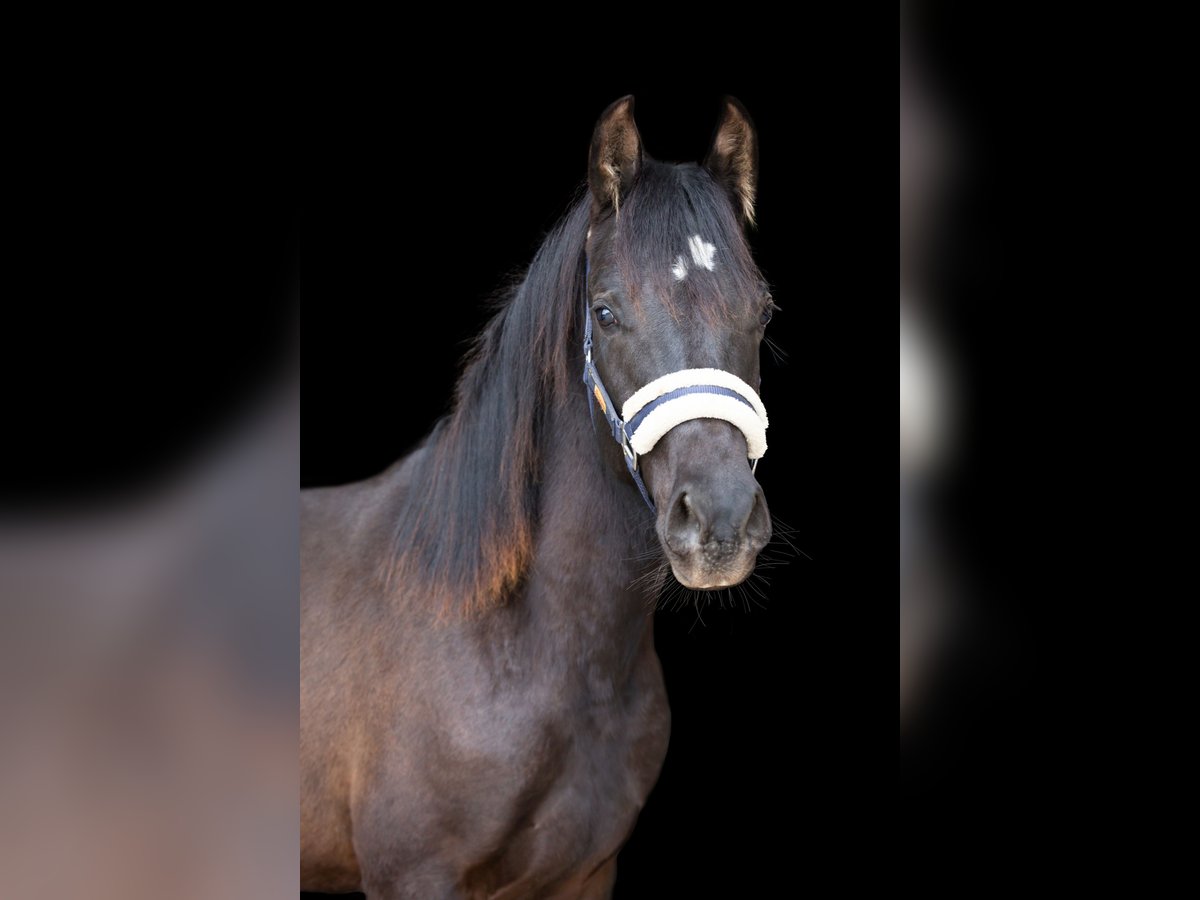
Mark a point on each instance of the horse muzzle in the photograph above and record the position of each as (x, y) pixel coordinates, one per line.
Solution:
(713, 519)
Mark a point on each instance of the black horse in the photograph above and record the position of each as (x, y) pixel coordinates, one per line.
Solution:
(483, 712)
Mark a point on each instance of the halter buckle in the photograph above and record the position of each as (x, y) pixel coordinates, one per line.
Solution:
(630, 457)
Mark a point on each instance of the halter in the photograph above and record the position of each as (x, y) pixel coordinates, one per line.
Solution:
(677, 397)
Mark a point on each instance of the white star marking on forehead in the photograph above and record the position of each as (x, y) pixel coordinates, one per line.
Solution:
(703, 254)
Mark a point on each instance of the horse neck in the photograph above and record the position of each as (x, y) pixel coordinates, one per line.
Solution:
(595, 542)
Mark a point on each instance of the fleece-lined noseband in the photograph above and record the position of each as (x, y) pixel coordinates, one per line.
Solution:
(670, 400)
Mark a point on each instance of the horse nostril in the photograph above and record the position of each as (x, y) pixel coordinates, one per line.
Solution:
(756, 511)
(684, 524)
(681, 511)
(758, 523)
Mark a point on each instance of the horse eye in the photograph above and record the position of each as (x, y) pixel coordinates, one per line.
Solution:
(605, 316)
(766, 316)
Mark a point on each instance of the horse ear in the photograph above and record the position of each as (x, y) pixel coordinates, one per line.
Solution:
(616, 155)
(733, 158)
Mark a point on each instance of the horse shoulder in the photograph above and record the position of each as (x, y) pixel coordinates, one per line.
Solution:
(341, 535)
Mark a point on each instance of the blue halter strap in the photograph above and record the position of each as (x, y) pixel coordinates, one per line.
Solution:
(597, 393)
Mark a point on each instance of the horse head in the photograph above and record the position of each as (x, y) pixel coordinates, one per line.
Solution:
(676, 310)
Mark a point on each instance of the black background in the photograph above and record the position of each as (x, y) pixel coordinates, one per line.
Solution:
(417, 208)
(413, 220)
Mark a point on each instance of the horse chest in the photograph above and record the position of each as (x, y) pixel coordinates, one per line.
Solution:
(571, 784)
(601, 782)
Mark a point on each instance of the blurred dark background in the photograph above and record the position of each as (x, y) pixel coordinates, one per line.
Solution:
(1003, 744)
